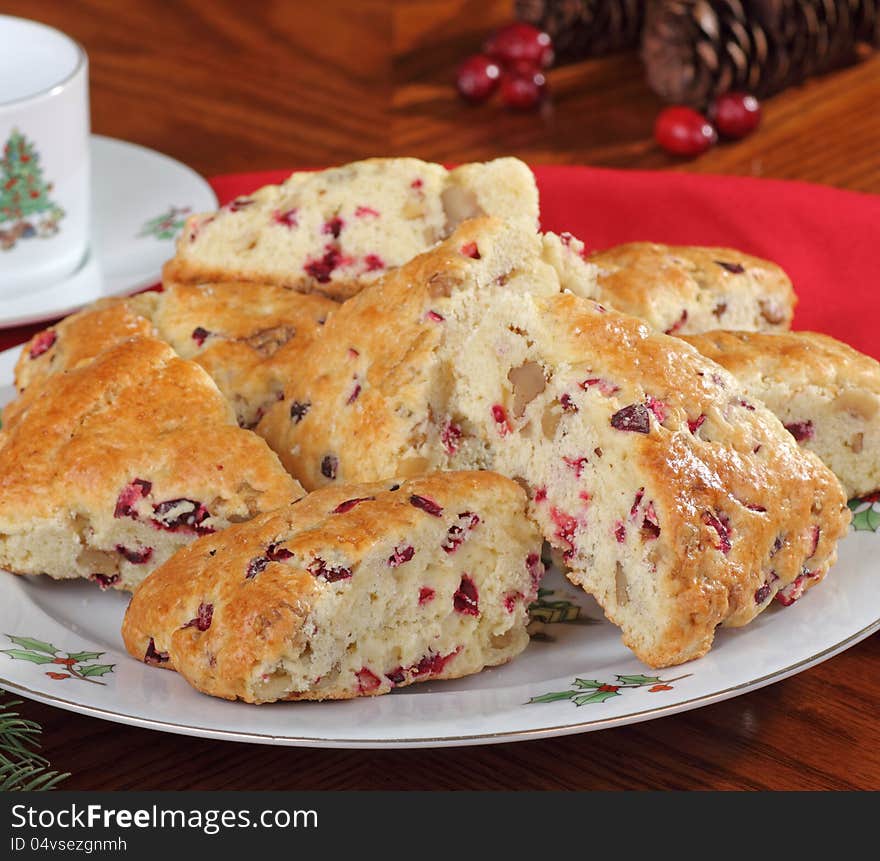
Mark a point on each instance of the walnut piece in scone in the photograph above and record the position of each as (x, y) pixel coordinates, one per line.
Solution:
(825, 393)
(352, 591)
(674, 499)
(684, 289)
(334, 231)
(110, 467)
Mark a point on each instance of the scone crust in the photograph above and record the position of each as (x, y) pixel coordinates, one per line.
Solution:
(824, 391)
(719, 287)
(72, 340)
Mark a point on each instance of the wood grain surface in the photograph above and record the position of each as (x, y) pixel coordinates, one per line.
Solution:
(230, 87)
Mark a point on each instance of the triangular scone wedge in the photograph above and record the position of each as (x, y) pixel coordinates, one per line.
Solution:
(108, 468)
(350, 592)
(674, 499)
(246, 336)
(334, 231)
(679, 289)
(825, 393)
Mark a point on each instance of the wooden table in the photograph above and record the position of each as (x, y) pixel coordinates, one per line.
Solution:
(229, 87)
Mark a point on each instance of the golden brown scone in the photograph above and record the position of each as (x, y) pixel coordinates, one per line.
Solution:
(108, 468)
(78, 338)
(825, 393)
(687, 289)
(334, 231)
(676, 501)
(350, 592)
(246, 336)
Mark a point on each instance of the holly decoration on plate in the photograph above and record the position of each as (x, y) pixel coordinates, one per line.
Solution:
(866, 513)
(593, 691)
(67, 665)
(513, 62)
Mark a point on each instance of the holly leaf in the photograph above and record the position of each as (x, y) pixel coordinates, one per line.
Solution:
(553, 697)
(33, 645)
(97, 670)
(867, 520)
(587, 683)
(595, 697)
(84, 656)
(639, 680)
(33, 657)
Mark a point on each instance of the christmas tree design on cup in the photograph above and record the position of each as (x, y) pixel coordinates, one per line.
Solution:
(26, 210)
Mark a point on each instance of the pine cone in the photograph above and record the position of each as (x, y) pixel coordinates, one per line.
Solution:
(585, 28)
(694, 50)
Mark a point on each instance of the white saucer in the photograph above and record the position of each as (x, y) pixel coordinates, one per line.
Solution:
(139, 201)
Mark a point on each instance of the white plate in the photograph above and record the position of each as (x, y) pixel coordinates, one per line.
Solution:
(586, 678)
(139, 201)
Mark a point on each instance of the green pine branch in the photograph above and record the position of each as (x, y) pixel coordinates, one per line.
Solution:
(22, 769)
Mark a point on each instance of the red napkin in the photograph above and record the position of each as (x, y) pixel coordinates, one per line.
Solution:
(826, 239)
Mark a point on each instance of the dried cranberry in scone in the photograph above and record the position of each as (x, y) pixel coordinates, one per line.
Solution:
(352, 591)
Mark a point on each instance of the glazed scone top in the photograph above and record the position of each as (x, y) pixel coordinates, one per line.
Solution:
(71, 341)
(719, 287)
(335, 230)
(247, 336)
(136, 411)
(797, 358)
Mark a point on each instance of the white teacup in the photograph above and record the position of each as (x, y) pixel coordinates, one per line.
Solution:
(44, 155)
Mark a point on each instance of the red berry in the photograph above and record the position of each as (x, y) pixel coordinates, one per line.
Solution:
(520, 42)
(523, 93)
(683, 131)
(736, 114)
(477, 78)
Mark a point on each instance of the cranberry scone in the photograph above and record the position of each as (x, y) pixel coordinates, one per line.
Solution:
(684, 289)
(110, 467)
(246, 336)
(78, 338)
(334, 231)
(673, 498)
(352, 591)
(825, 393)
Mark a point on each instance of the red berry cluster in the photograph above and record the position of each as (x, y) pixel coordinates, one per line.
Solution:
(512, 61)
(686, 132)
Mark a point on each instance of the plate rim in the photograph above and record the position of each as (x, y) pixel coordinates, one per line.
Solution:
(472, 739)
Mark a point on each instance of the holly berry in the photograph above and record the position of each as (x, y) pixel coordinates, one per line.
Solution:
(523, 92)
(520, 42)
(736, 114)
(477, 78)
(683, 131)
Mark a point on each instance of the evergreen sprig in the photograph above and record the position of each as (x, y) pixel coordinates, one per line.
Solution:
(21, 767)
